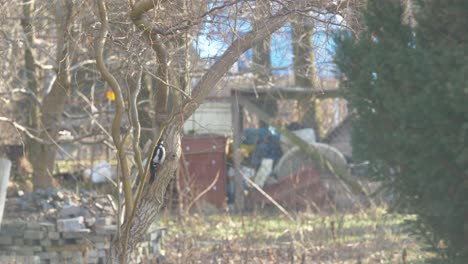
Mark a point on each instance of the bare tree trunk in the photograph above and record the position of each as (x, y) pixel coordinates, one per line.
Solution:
(305, 74)
(153, 196)
(261, 57)
(261, 51)
(29, 105)
(54, 102)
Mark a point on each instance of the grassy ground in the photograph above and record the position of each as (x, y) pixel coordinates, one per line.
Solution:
(371, 236)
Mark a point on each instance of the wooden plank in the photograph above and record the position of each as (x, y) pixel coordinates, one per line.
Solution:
(238, 179)
(290, 92)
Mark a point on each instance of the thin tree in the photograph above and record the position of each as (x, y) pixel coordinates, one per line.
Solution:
(173, 104)
(305, 74)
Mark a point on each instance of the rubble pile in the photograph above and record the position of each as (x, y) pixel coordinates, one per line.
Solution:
(51, 204)
(61, 226)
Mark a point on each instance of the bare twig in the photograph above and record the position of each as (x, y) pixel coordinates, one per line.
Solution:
(90, 115)
(23, 129)
(168, 84)
(258, 188)
(81, 64)
(207, 189)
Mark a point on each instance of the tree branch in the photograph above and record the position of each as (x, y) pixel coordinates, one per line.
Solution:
(162, 93)
(119, 102)
(134, 121)
(23, 129)
(232, 54)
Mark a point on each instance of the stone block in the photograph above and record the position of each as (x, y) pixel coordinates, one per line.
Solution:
(46, 243)
(9, 248)
(53, 235)
(102, 245)
(90, 221)
(27, 250)
(59, 195)
(50, 227)
(56, 243)
(99, 238)
(93, 253)
(18, 242)
(32, 242)
(104, 221)
(71, 211)
(69, 241)
(80, 233)
(55, 261)
(106, 230)
(78, 255)
(33, 226)
(93, 260)
(71, 224)
(66, 254)
(49, 255)
(6, 240)
(13, 229)
(20, 259)
(33, 234)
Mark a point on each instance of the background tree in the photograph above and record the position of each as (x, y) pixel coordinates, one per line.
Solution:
(406, 88)
(261, 51)
(29, 103)
(45, 54)
(261, 58)
(43, 155)
(40, 105)
(305, 74)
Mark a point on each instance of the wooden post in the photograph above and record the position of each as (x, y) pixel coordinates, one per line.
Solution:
(238, 179)
(5, 167)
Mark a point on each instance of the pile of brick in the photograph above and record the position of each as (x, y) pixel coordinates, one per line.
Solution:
(50, 204)
(72, 228)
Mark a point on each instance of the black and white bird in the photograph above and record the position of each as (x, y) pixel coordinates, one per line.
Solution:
(159, 155)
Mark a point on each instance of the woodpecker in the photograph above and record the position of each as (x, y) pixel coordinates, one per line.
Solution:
(159, 155)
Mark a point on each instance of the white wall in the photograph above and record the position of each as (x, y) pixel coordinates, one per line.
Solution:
(210, 118)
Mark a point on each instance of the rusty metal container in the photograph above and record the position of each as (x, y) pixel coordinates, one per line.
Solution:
(300, 190)
(203, 170)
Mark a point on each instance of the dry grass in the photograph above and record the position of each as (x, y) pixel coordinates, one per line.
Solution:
(370, 236)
